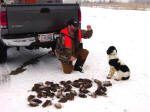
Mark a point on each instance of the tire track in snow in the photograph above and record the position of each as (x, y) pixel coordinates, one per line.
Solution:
(22, 68)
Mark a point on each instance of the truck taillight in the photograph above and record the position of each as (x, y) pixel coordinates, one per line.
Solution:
(3, 19)
(79, 16)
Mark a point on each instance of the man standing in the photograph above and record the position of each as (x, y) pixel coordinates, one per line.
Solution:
(69, 46)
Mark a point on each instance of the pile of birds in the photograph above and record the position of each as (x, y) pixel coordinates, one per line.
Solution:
(65, 91)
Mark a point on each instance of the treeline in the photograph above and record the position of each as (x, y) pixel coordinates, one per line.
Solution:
(114, 1)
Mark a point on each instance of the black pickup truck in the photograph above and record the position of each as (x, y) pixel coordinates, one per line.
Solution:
(34, 25)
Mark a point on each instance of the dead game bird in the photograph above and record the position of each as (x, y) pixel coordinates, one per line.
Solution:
(58, 105)
(30, 97)
(47, 103)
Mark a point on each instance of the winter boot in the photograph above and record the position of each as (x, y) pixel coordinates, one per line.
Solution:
(78, 68)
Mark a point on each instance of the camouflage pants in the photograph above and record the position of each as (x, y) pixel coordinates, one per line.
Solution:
(81, 57)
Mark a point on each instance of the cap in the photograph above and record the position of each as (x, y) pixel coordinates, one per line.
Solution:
(73, 22)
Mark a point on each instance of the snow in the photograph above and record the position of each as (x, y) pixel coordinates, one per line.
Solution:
(127, 30)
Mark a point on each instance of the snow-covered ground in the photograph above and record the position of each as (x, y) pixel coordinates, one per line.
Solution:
(127, 30)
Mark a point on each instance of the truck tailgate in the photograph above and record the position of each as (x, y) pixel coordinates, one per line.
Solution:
(39, 18)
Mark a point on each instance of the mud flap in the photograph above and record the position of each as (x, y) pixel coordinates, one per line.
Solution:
(3, 52)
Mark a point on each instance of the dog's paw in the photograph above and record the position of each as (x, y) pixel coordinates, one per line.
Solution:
(117, 79)
(109, 77)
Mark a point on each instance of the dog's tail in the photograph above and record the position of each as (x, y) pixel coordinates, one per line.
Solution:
(125, 78)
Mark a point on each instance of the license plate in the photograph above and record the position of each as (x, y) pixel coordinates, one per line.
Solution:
(46, 37)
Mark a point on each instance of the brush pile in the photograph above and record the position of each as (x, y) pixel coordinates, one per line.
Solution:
(65, 91)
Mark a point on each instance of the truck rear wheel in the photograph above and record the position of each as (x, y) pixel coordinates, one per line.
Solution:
(3, 53)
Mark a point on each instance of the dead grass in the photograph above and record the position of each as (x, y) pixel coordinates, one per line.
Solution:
(119, 6)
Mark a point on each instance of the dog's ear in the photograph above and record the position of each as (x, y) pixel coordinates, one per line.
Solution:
(111, 49)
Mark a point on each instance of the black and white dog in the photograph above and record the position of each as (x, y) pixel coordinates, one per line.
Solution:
(116, 65)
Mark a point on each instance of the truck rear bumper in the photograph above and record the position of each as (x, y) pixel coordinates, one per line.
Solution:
(19, 42)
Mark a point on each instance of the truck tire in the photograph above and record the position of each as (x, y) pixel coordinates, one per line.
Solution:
(3, 52)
